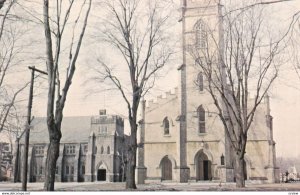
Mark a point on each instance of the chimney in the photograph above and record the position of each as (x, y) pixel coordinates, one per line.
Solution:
(102, 112)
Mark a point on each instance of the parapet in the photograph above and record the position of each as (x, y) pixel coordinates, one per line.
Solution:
(162, 99)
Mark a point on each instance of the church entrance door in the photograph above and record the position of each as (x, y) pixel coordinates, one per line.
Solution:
(101, 175)
(203, 167)
(166, 169)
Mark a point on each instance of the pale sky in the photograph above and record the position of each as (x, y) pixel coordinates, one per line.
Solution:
(285, 94)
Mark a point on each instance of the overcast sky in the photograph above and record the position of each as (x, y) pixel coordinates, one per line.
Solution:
(285, 93)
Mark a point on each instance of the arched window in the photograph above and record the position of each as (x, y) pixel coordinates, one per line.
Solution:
(108, 150)
(102, 149)
(200, 81)
(222, 160)
(166, 126)
(200, 34)
(201, 119)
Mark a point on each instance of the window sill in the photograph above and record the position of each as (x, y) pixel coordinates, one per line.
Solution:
(168, 135)
(202, 134)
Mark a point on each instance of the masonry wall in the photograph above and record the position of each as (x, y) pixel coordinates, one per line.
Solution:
(157, 143)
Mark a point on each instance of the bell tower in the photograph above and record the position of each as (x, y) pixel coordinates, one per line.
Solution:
(201, 21)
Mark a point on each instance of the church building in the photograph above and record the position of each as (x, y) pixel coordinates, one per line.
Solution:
(183, 137)
(92, 148)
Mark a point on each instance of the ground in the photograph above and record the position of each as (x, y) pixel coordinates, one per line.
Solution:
(104, 186)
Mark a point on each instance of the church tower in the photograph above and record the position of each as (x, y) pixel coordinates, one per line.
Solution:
(202, 139)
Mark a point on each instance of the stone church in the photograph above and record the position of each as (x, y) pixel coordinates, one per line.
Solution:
(92, 148)
(183, 138)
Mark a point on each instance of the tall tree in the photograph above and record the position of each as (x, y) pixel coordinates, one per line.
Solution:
(136, 30)
(239, 60)
(55, 105)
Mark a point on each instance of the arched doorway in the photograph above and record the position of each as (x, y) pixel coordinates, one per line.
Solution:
(101, 175)
(166, 169)
(101, 172)
(203, 167)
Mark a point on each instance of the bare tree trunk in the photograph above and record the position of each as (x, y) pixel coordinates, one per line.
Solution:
(239, 168)
(16, 165)
(130, 172)
(52, 156)
(130, 180)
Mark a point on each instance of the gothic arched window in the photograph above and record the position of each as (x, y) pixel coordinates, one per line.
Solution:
(222, 160)
(201, 119)
(102, 149)
(200, 81)
(200, 34)
(108, 150)
(166, 125)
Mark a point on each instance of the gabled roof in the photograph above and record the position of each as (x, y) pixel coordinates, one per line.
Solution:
(74, 130)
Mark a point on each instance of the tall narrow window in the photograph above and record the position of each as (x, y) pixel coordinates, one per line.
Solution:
(41, 170)
(200, 34)
(222, 160)
(166, 126)
(85, 149)
(108, 150)
(200, 81)
(72, 170)
(102, 149)
(201, 119)
(83, 169)
(67, 170)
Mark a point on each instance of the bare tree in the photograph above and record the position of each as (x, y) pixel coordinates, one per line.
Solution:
(7, 42)
(135, 29)
(294, 43)
(10, 60)
(56, 104)
(236, 62)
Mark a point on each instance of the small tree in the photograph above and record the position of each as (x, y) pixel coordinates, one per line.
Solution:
(135, 29)
(56, 105)
(236, 62)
